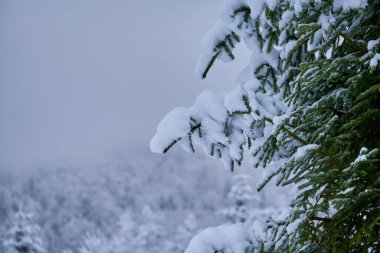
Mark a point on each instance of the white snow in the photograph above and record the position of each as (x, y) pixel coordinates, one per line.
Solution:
(324, 21)
(216, 34)
(174, 125)
(349, 4)
(375, 57)
(285, 18)
(229, 238)
(295, 224)
(234, 100)
(210, 104)
(301, 151)
(228, 7)
(363, 155)
(257, 6)
(374, 60)
(372, 43)
(287, 48)
(298, 5)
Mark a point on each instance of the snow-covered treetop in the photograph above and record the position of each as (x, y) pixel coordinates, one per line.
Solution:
(24, 235)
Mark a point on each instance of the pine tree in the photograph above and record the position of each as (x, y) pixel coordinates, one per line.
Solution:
(183, 234)
(124, 238)
(249, 207)
(241, 197)
(95, 242)
(121, 240)
(151, 233)
(24, 236)
(306, 109)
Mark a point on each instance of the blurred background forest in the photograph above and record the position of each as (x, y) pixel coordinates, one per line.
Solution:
(150, 203)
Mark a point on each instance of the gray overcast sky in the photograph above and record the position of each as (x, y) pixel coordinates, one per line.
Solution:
(80, 79)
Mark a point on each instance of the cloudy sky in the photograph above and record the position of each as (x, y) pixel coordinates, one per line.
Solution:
(80, 79)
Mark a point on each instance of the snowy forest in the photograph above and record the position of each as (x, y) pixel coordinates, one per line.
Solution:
(146, 205)
(285, 159)
(132, 205)
(107, 210)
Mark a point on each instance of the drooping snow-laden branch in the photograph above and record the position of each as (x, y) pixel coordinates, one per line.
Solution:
(311, 84)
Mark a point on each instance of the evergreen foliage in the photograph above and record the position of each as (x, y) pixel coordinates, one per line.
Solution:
(307, 110)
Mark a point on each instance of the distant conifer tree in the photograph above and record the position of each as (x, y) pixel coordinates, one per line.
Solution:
(241, 198)
(24, 236)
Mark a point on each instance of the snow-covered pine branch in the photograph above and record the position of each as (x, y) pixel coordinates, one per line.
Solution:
(304, 108)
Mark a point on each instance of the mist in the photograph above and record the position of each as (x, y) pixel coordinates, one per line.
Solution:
(81, 80)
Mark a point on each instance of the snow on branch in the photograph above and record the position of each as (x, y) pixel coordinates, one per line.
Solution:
(226, 238)
(298, 104)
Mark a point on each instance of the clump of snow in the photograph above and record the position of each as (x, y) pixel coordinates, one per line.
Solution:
(324, 21)
(301, 151)
(208, 110)
(232, 101)
(175, 124)
(363, 155)
(271, 4)
(228, 7)
(347, 5)
(374, 57)
(257, 6)
(374, 61)
(372, 44)
(216, 34)
(209, 103)
(226, 238)
(288, 47)
(298, 5)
